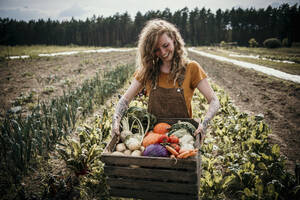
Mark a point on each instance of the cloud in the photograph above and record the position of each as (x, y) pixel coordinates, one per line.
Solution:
(275, 5)
(66, 9)
(22, 14)
(74, 11)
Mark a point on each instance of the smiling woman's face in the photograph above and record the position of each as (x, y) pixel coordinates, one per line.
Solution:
(165, 48)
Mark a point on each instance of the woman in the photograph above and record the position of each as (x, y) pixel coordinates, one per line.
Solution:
(169, 77)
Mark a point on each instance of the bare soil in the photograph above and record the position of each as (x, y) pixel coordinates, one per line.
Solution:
(47, 77)
(256, 93)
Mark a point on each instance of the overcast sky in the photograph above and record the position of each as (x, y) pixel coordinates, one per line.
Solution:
(81, 9)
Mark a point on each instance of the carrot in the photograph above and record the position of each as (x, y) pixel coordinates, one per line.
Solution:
(188, 153)
(172, 150)
(183, 154)
(183, 150)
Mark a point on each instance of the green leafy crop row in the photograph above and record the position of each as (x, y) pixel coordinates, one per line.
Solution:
(237, 159)
(24, 140)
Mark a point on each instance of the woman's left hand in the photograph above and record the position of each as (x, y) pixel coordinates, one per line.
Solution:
(202, 131)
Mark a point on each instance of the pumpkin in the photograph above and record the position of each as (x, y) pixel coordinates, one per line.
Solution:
(161, 128)
(151, 138)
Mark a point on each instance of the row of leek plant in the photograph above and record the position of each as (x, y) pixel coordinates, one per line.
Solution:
(25, 140)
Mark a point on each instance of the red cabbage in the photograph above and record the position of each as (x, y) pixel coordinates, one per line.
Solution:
(156, 150)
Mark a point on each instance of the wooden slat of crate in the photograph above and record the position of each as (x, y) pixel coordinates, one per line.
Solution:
(155, 174)
(187, 164)
(141, 194)
(153, 186)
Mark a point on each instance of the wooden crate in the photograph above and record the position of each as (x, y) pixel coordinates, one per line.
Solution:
(152, 177)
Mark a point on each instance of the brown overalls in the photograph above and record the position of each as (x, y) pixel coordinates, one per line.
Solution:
(168, 105)
(168, 102)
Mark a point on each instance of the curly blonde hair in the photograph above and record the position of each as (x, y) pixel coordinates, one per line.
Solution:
(148, 63)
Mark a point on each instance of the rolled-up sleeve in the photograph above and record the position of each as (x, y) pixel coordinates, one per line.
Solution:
(198, 74)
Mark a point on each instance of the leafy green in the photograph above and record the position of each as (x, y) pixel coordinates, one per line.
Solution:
(147, 120)
(182, 125)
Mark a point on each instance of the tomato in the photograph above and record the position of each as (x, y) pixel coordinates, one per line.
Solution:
(163, 139)
(173, 139)
(176, 146)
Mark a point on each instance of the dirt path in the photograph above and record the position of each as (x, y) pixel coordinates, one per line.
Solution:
(256, 93)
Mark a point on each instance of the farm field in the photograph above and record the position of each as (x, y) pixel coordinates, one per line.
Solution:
(256, 93)
(34, 50)
(283, 59)
(25, 82)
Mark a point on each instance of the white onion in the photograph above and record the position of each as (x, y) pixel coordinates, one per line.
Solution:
(136, 153)
(121, 147)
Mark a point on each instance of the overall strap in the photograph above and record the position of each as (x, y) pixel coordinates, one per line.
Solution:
(180, 80)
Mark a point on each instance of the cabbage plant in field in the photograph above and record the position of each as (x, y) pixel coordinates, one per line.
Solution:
(237, 160)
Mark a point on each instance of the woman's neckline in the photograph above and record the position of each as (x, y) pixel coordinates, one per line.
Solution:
(163, 72)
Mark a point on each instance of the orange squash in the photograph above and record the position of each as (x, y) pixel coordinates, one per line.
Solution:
(161, 128)
(151, 138)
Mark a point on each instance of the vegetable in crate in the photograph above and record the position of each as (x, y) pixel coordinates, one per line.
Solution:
(133, 130)
(184, 131)
(120, 147)
(135, 123)
(136, 153)
(127, 152)
(174, 139)
(175, 146)
(117, 153)
(161, 128)
(187, 142)
(133, 142)
(147, 120)
(126, 131)
(188, 153)
(151, 138)
(129, 129)
(163, 139)
(182, 125)
(180, 133)
(172, 150)
(156, 150)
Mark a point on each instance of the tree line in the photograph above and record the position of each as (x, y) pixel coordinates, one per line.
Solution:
(197, 26)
